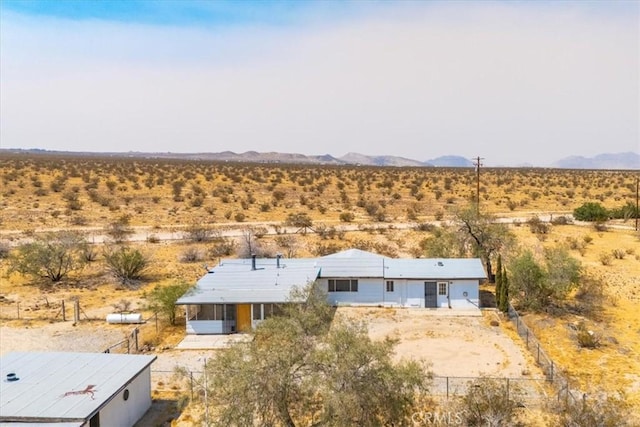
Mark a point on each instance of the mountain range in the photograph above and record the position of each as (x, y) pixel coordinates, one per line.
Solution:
(624, 161)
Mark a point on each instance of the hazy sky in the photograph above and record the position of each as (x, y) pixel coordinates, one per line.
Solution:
(514, 82)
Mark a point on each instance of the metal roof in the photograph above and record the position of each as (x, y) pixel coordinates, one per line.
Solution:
(48, 384)
(356, 263)
(235, 281)
(430, 268)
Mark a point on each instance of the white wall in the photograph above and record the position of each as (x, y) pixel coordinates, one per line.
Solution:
(122, 413)
(407, 293)
(370, 292)
(210, 326)
(456, 292)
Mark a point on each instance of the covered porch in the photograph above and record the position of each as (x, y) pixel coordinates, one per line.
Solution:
(209, 319)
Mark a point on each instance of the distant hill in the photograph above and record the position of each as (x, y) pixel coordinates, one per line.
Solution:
(628, 160)
(451, 161)
(362, 159)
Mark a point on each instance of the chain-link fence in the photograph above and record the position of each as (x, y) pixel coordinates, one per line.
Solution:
(560, 383)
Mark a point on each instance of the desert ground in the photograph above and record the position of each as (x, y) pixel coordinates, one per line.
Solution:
(384, 210)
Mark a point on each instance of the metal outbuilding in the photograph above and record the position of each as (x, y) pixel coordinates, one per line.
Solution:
(74, 389)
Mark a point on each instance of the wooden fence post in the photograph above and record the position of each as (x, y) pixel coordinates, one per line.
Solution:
(64, 314)
(76, 311)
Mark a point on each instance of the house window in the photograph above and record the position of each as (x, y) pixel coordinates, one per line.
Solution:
(389, 285)
(257, 311)
(442, 288)
(343, 285)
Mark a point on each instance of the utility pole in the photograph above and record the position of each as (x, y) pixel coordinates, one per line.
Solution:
(637, 194)
(478, 163)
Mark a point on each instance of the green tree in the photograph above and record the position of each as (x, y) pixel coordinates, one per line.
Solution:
(51, 257)
(539, 285)
(297, 370)
(445, 243)
(162, 299)
(126, 264)
(498, 289)
(301, 220)
(527, 280)
(481, 236)
(591, 212)
(504, 291)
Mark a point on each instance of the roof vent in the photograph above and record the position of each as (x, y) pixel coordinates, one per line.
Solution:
(12, 377)
(440, 264)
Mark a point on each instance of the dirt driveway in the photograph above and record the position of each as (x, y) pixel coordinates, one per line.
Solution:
(456, 345)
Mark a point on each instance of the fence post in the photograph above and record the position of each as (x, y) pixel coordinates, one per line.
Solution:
(527, 330)
(64, 314)
(76, 311)
(128, 348)
(135, 339)
(447, 388)
(191, 375)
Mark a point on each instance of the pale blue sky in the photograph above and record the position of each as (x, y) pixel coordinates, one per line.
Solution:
(513, 82)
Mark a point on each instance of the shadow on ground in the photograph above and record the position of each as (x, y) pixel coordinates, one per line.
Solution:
(161, 413)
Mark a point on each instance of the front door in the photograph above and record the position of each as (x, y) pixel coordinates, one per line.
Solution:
(244, 317)
(430, 294)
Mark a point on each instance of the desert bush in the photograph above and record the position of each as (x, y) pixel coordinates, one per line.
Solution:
(198, 233)
(347, 216)
(600, 226)
(489, 402)
(605, 258)
(591, 212)
(612, 411)
(192, 254)
(126, 264)
(119, 230)
(587, 338)
(537, 226)
(153, 238)
(561, 220)
(52, 256)
(222, 246)
(5, 249)
(618, 253)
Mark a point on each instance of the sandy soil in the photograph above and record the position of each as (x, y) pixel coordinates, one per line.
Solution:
(455, 346)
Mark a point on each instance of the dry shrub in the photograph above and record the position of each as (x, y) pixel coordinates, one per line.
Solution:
(586, 337)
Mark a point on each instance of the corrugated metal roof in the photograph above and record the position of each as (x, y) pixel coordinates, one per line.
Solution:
(234, 281)
(429, 268)
(45, 378)
(358, 263)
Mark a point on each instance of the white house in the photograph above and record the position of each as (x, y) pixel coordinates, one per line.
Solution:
(238, 294)
(74, 389)
(355, 277)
